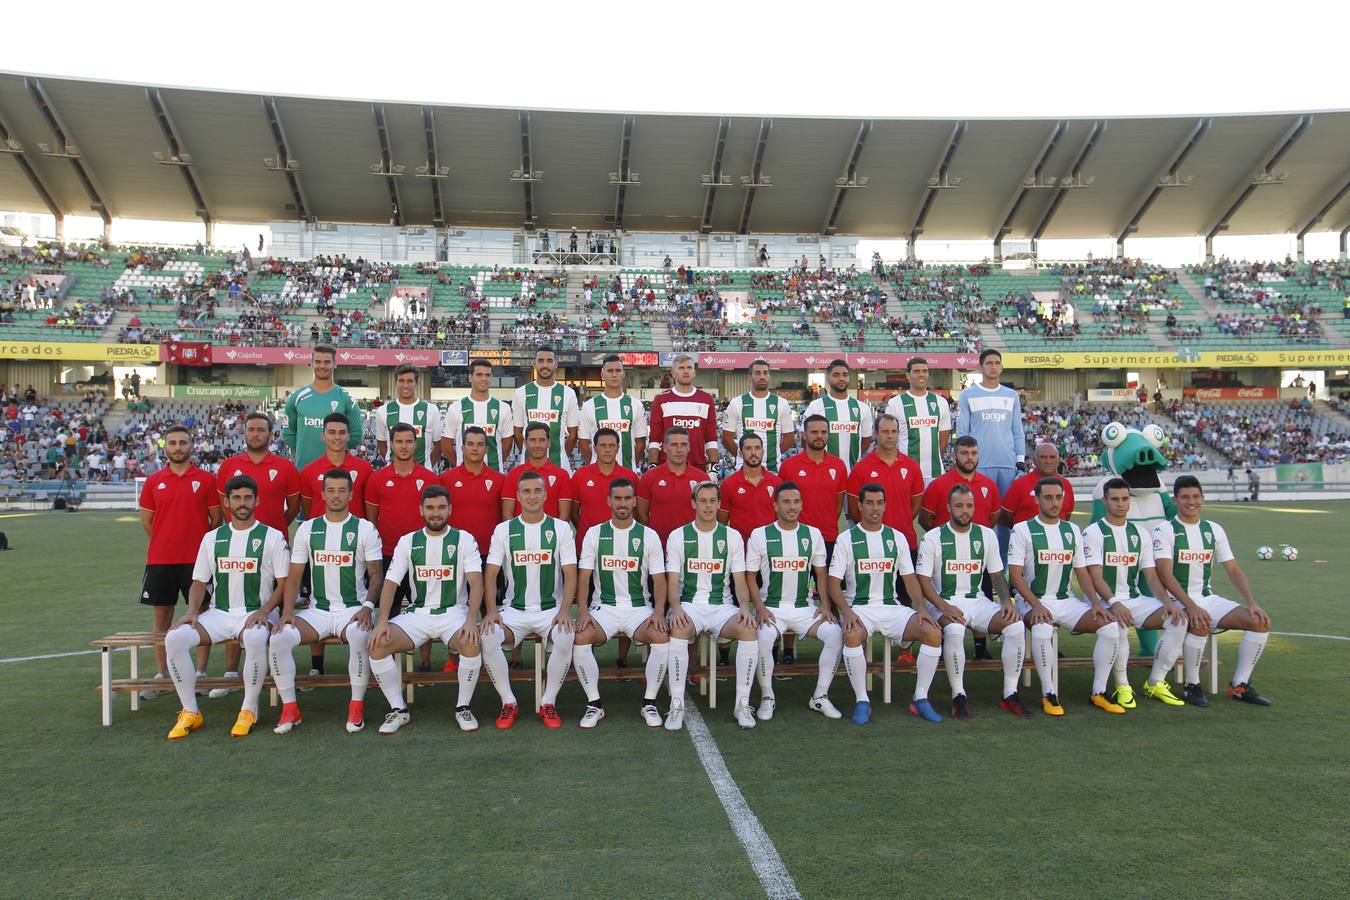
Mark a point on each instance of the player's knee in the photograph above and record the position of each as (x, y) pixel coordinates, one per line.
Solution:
(854, 637)
(1110, 631)
(1041, 631)
(953, 632)
(830, 634)
(1013, 630)
(930, 635)
(255, 638)
(561, 637)
(180, 638)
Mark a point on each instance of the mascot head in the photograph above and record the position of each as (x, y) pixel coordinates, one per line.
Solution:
(1135, 454)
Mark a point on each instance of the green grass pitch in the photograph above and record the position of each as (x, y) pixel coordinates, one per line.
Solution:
(1229, 801)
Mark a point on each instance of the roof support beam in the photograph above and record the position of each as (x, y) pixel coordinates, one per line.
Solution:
(715, 179)
(10, 146)
(1167, 177)
(179, 156)
(388, 169)
(1261, 174)
(66, 148)
(285, 162)
(1335, 194)
(433, 170)
(1032, 179)
(527, 175)
(621, 179)
(849, 179)
(756, 179)
(936, 182)
(1072, 178)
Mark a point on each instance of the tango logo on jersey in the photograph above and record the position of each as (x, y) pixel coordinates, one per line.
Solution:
(333, 558)
(228, 565)
(489, 429)
(532, 557)
(788, 564)
(686, 423)
(869, 566)
(1121, 559)
(619, 425)
(619, 563)
(760, 424)
(696, 566)
(962, 567)
(547, 416)
(1054, 557)
(434, 573)
(923, 421)
(1195, 556)
(844, 427)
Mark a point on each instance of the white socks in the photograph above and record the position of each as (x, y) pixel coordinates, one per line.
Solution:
(494, 659)
(1014, 651)
(1167, 651)
(1122, 656)
(1192, 651)
(178, 645)
(469, 668)
(855, 664)
(1104, 655)
(832, 636)
(1043, 653)
(657, 656)
(954, 656)
(926, 664)
(766, 637)
(279, 649)
(559, 661)
(678, 673)
(747, 658)
(255, 665)
(390, 680)
(358, 659)
(1249, 651)
(588, 670)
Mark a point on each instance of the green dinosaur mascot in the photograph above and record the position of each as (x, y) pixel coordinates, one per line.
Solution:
(1136, 456)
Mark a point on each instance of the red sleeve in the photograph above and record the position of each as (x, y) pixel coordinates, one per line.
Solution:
(854, 482)
(509, 486)
(220, 481)
(930, 498)
(307, 487)
(369, 492)
(292, 480)
(915, 481)
(1013, 492)
(993, 490)
(710, 435)
(148, 495)
(656, 428)
(1067, 510)
(569, 488)
(644, 486)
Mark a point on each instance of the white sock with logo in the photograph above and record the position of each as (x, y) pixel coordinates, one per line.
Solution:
(1014, 651)
(588, 670)
(1192, 651)
(255, 665)
(925, 667)
(469, 669)
(678, 672)
(657, 657)
(1249, 651)
(1104, 655)
(559, 661)
(178, 646)
(1122, 662)
(390, 680)
(747, 661)
(494, 660)
(1167, 651)
(766, 637)
(358, 660)
(1043, 654)
(954, 656)
(280, 650)
(855, 664)
(832, 637)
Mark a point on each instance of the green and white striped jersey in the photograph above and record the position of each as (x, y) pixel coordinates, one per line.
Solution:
(1193, 549)
(704, 562)
(621, 560)
(786, 562)
(491, 415)
(436, 566)
(337, 553)
(625, 414)
(532, 556)
(850, 421)
(243, 566)
(869, 563)
(1123, 552)
(921, 420)
(769, 416)
(421, 415)
(1048, 554)
(555, 406)
(956, 561)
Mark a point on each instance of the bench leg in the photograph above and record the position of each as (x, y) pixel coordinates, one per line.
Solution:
(1213, 663)
(1027, 662)
(705, 650)
(135, 673)
(886, 675)
(105, 664)
(712, 671)
(272, 696)
(538, 673)
(407, 680)
(870, 646)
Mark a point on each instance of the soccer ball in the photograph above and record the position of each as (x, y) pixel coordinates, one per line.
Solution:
(1290, 553)
(1265, 552)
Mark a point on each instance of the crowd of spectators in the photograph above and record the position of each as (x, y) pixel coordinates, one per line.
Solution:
(1264, 283)
(47, 438)
(1123, 288)
(1262, 434)
(1076, 431)
(1301, 326)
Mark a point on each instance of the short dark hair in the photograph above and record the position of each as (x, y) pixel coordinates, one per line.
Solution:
(814, 417)
(479, 363)
(537, 426)
(958, 489)
(966, 440)
(434, 490)
(178, 426)
(1114, 484)
(542, 348)
(338, 475)
(613, 357)
(621, 483)
(915, 361)
(604, 432)
(339, 418)
(835, 363)
(693, 493)
(674, 431)
(476, 429)
(400, 428)
(1186, 481)
(529, 475)
(259, 414)
(749, 436)
(760, 362)
(785, 486)
(1049, 481)
(324, 348)
(871, 487)
(988, 352)
(239, 483)
(405, 369)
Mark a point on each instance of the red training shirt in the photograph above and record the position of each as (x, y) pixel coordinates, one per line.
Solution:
(984, 488)
(277, 479)
(558, 480)
(181, 504)
(749, 505)
(1021, 497)
(399, 499)
(590, 488)
(669, 497)
(903, 481)
(821, 484)
(475, 501)
(696, 413)
(311, 484)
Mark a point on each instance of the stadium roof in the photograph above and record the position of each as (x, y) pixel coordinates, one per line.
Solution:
(144, 152)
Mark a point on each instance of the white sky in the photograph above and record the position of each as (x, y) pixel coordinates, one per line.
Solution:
(1141, 57)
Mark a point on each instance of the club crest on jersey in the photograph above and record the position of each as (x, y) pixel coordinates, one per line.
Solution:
(351, 472)
(904, 473)
(162, 486)
(692, 482)
(271, 474)
(740, 490)
(256, 543)
(890, 545)
(984, 491)
(557, 399)
(391, 484)
(492, 413)
(1208, 538)
(833, 475)
(460, 484)
(661, 483)
(548, 536)
(334, 405)
(976, 545)
(637, 543)
(806, 545)
(488, 483)
(551, 479)
(721, 546)
(195, 485)
(1134, 540)
(350, 537)
(420, 413)
(420, 482)
(450, 551)
(590, 482)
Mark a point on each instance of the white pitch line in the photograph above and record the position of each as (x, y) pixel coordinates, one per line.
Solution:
(14, 659)
(1329, 637)
(764, 859)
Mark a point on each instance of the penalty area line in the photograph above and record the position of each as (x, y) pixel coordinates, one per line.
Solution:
(764, 859)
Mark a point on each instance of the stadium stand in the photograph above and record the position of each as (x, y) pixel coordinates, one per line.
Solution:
(1264, 432)
(1076, 431)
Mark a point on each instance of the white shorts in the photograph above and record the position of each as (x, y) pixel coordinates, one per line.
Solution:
(525, 622)
(710, 617)
(1141, 608)
(1216, 606)
(1067, 612)
(422, 627)
(978, 612)
(327, 623)
(888, 621)
(615, 619)
(223, 625)
(796, 619)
